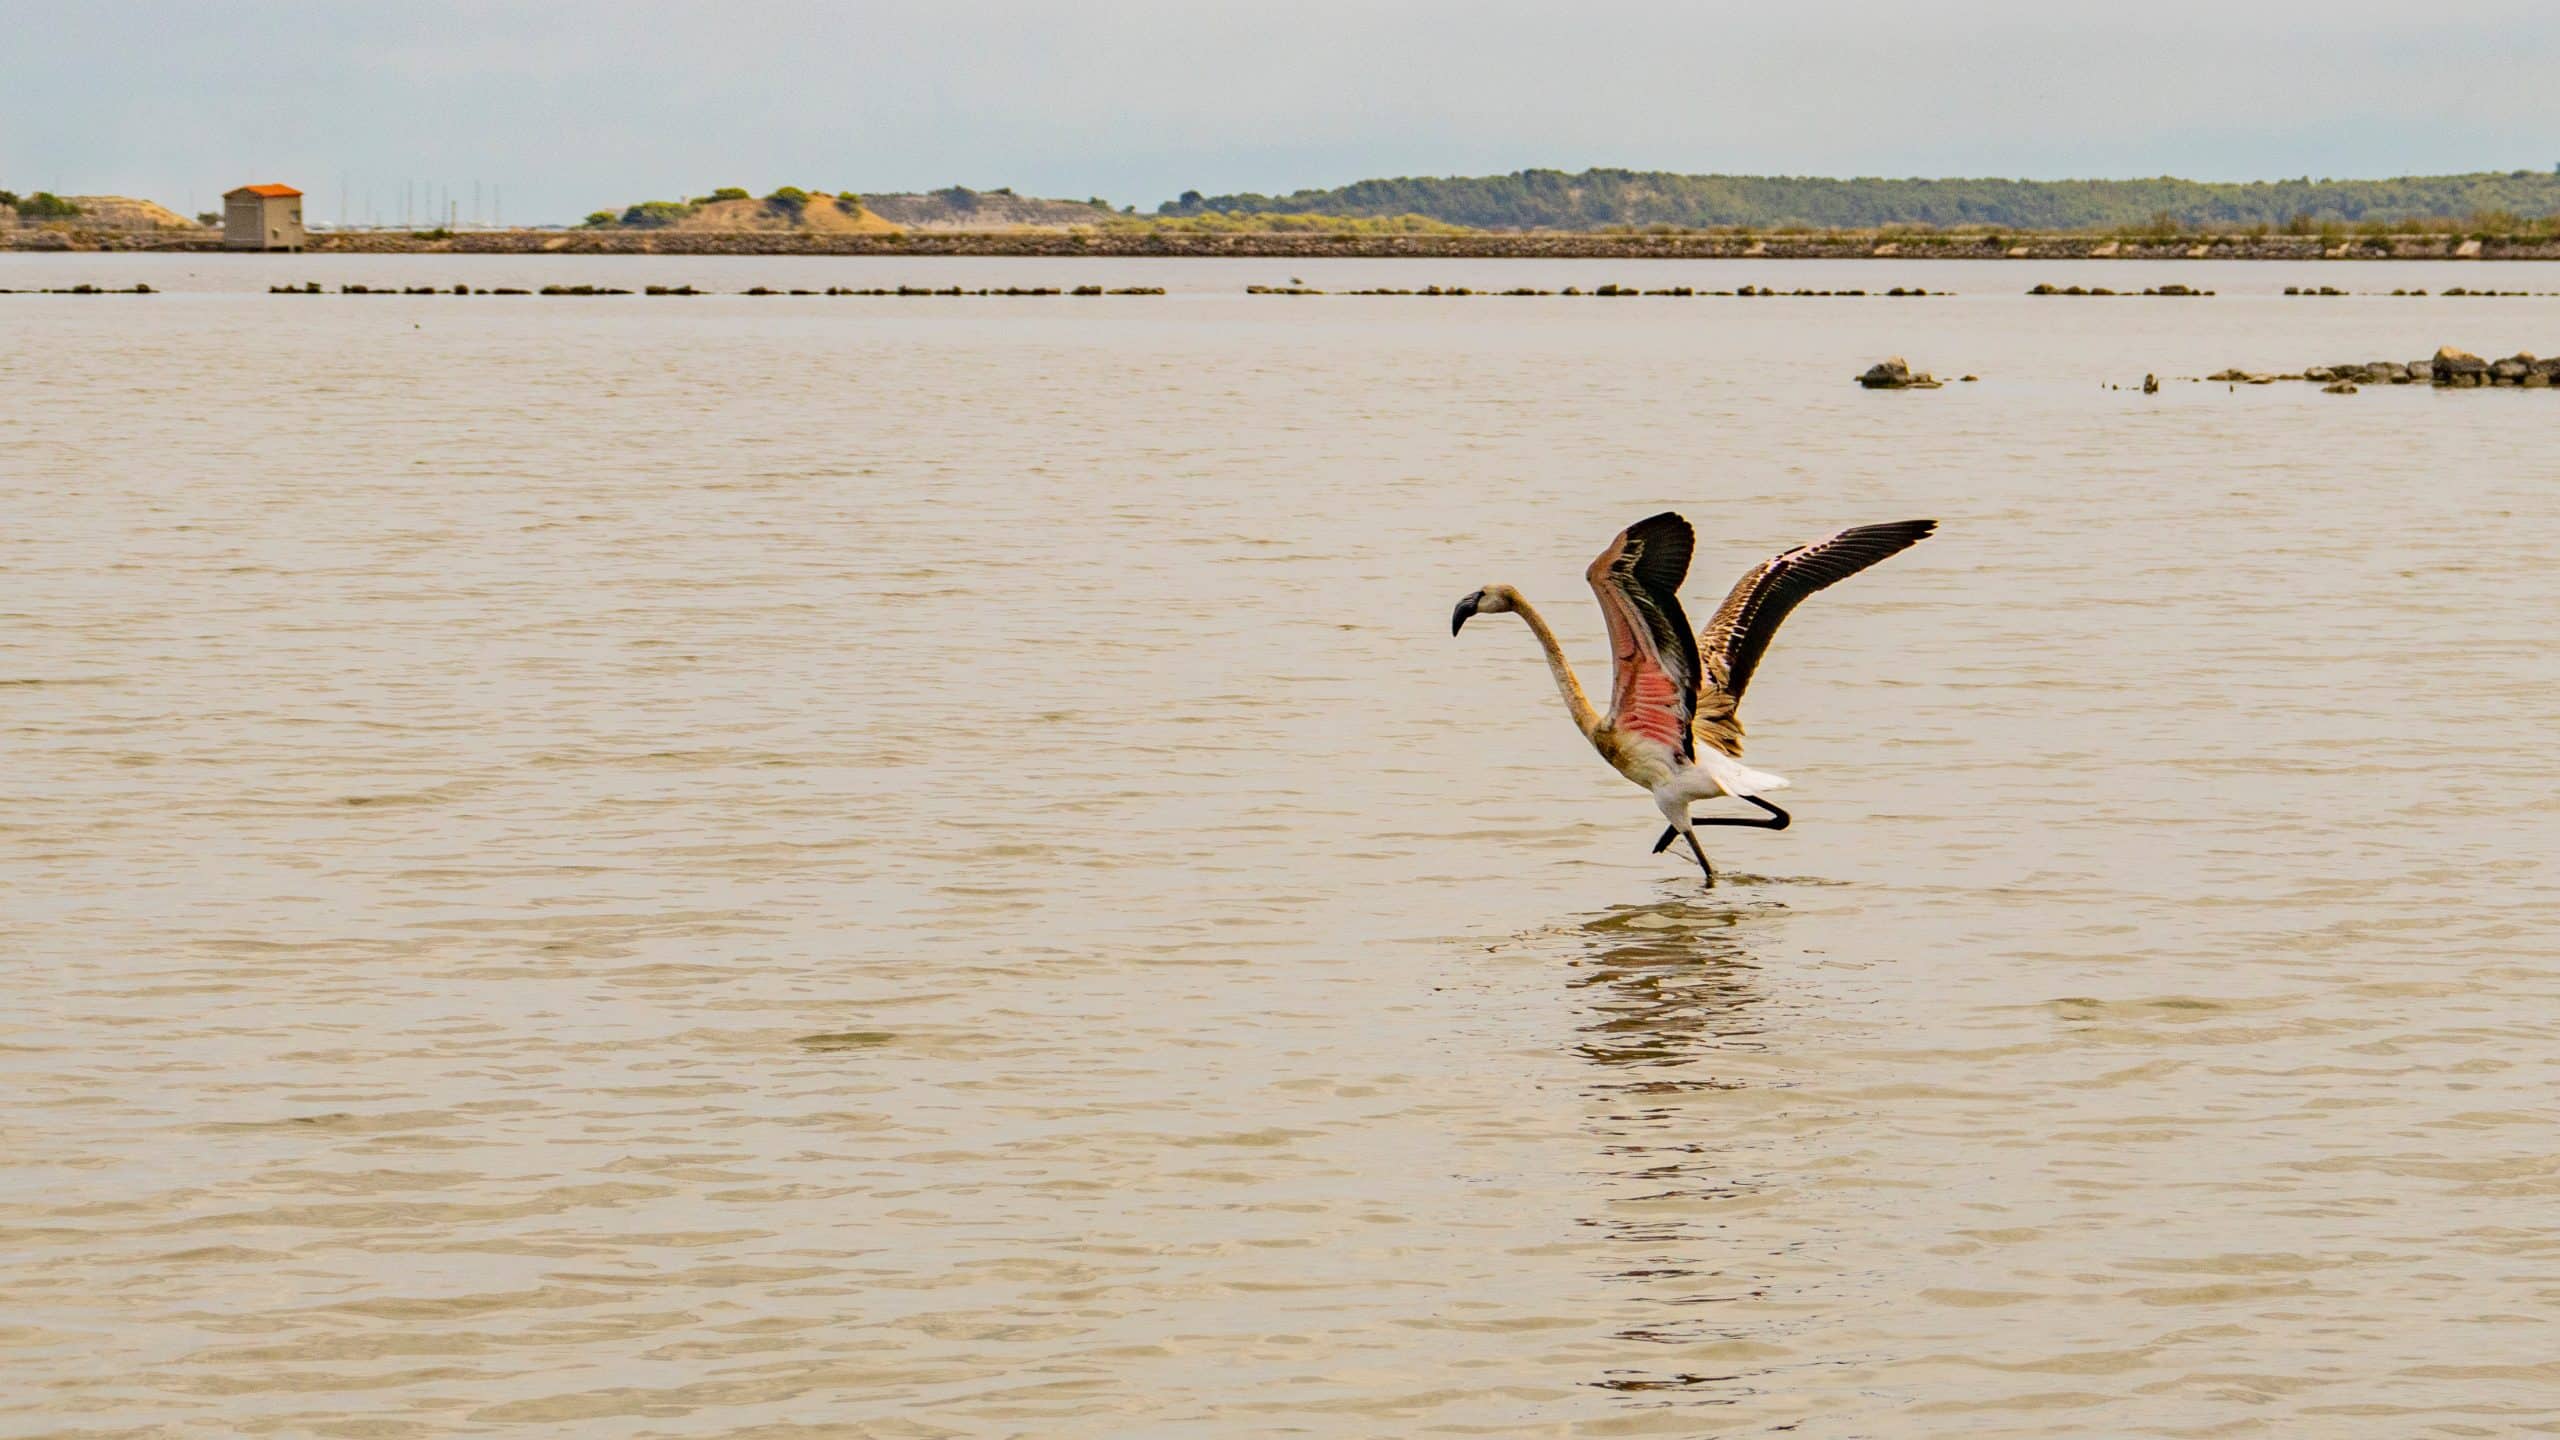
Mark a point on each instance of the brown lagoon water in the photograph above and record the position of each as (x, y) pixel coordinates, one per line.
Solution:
(779, 868)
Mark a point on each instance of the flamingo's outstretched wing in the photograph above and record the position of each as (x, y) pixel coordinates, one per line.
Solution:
(1739, 634)
(1654, 652)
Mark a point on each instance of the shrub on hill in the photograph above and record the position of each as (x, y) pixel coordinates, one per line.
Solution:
(652, 214)
(42, 205)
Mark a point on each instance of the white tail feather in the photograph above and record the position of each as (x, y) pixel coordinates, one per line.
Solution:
(1728, 776)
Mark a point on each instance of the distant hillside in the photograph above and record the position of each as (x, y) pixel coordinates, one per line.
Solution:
(819, 212)
(787, 209)
(89, 212)
(123, 212)
(960, 208)
(1595, 199)
(791, 208)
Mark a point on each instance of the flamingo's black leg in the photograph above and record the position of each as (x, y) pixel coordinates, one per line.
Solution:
(1779, 820)
(1708, 870)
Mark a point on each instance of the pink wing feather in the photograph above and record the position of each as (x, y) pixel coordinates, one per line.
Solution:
(1652, 649)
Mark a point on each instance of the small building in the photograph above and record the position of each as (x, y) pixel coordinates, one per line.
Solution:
(263, 217)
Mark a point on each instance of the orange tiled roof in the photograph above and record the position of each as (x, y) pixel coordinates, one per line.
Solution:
(272, 192)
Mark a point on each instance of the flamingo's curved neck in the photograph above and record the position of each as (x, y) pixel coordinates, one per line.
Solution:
(1585, 719)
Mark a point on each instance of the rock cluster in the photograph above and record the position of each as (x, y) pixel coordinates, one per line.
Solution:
(2162, 291)
(2405, 293)
(2451, 368)
(1897, 374)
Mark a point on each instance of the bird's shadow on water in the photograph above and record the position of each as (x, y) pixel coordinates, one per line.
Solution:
(1675, 1017)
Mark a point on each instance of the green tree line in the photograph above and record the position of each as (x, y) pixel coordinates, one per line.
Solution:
(1599, 199)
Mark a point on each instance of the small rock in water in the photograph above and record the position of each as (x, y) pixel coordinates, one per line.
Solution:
(2150, 384)
(1897, 374)
(2339, 388)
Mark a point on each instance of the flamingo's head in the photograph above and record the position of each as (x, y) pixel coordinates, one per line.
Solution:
(1491, 600)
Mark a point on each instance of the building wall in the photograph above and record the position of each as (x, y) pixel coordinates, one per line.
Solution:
(244, 224)
(284, 224)
(259, 222)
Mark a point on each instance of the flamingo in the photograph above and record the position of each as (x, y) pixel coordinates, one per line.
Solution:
(1673, 725)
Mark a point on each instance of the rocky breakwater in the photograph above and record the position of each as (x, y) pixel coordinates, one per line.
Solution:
(2450, 368)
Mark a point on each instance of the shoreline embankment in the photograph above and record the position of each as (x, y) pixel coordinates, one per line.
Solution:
(1296, 245)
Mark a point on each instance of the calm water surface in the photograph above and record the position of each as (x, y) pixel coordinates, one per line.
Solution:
(790, 868)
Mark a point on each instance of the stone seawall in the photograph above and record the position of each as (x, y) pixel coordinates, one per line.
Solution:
(1053, 244)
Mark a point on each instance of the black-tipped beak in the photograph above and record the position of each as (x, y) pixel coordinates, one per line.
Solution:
(1466, 608)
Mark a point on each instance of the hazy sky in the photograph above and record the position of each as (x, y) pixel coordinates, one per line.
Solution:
(574, 105)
